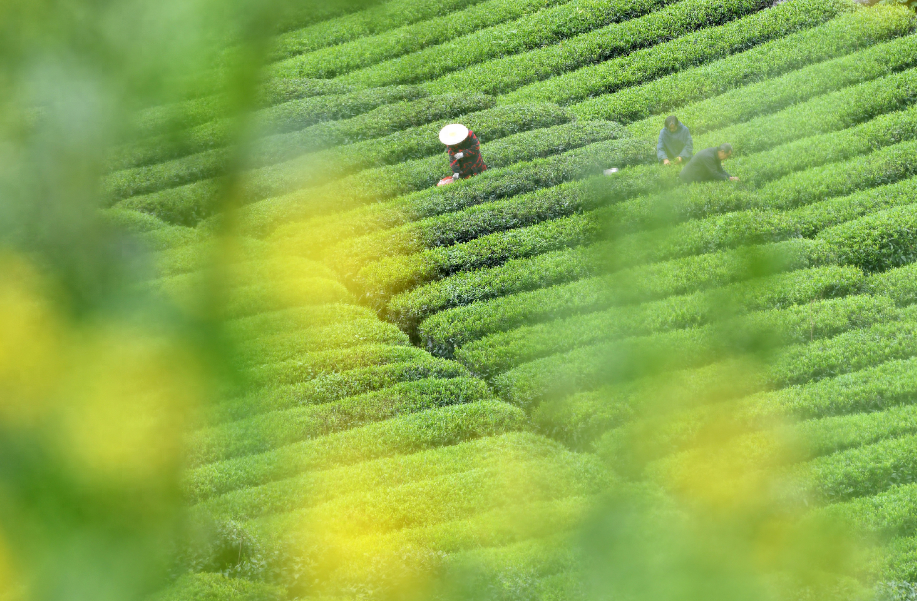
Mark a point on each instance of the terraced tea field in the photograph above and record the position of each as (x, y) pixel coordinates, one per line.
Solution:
(439, 380)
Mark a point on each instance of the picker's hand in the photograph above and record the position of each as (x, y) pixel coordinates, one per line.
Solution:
(677, 159)
(733, 179)
(666, 162)
(455, 176)
(459, 155)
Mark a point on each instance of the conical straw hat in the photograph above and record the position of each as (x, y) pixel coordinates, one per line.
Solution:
(453, 134)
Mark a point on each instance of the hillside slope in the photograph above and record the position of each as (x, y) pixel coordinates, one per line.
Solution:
(447, 377)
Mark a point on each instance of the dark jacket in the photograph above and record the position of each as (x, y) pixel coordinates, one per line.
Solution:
(471, 162)
(704, 167)
(675, 144)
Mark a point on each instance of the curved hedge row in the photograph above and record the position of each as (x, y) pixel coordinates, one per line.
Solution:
(548, 26)
(886, 514)
(862, 471)
(716, 233)
(130, 221)
(301, 168)
(875, 242)
(492, 185)
(294, 17)
(156, 120)
(275, 429)
(453, 328)
(209, 585)
(294, 390)
(885, 130)
(507, 73)
(898, 284)
(884, 166)
(275, 348)
(298, 114)
(814, 437)
(811, 219)
(449, 329)
(897, 569)
(280, 322)
(859, 471)
(195, 257)
(519, 275)
(699, 47)
(607, 363)
(382, 279)
(857, 393)
(405, 434)
(533, 134)
(369, 50)
(556, 377)
(548, 564)
(488, 529)
(847, 352)
(391, 472)
(845, 108)
(243, 270)
(877, 387)
(838, 433)
(172, 236)
(584, 416)
(794, 448)
(350, 255)
(845, 34)
(152, 231)
(410, 308)
(278, 91)
(370, 21)
(615, 429)
(323, 363)
(257, 297)
(806, 84)
(380, 474)
(498, 353)
(448, 499)
(254, 266)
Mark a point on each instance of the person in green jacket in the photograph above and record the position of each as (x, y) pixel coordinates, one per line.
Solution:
(675, 144)
(707, 165)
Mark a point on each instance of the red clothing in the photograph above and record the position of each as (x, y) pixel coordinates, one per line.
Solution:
(471, 162)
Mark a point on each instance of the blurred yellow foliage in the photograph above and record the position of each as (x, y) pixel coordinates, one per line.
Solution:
(130, 396)
(113, 396)
(31, 341)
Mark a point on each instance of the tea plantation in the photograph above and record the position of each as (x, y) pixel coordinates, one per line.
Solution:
(442, 380)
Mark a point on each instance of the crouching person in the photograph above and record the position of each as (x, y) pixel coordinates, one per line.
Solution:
(707, 165)
(464, 152)
(675, 144)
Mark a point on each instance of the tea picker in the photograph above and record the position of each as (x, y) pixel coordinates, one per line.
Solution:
(675, 144)
(464, 152)
(707, 165)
